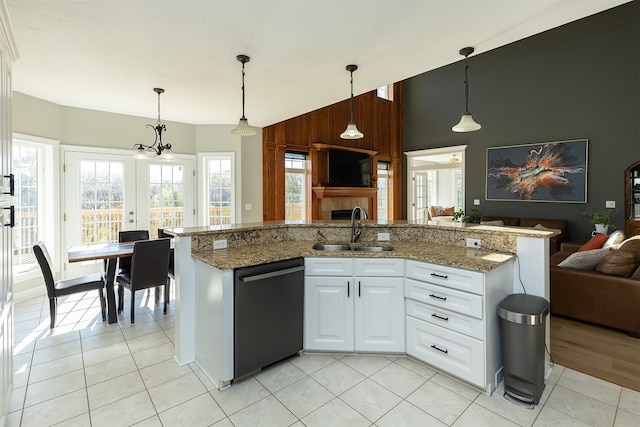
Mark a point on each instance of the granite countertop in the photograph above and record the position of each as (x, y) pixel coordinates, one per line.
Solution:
(453, 256)
(433, 225)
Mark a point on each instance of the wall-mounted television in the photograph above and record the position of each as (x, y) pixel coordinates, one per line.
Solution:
(349, 169)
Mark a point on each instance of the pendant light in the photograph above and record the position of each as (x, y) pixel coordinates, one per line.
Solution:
(466, 124)
(352, 131)
(158, 148)
(243, 128)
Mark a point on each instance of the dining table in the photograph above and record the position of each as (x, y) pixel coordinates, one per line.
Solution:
(109, 253)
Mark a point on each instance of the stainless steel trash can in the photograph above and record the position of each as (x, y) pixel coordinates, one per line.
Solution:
(522, 331)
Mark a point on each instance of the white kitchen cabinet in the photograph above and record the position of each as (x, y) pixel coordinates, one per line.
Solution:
(451, 319)
(354, 304)
(328, 313)
(379, 314)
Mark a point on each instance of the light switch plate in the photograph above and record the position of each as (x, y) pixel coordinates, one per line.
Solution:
(476, 202)
(610, 204)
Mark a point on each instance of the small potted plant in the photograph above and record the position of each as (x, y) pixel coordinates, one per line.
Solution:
(600, 218)
(473, 217)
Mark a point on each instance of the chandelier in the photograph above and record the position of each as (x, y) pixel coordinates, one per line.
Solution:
(158, 148)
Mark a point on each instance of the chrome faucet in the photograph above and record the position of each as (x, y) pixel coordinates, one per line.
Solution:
(363, 215)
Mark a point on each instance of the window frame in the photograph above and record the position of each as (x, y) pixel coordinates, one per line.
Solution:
(48, 198)
(203, 179)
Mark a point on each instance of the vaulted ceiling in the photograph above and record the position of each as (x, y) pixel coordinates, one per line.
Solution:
(109, 55)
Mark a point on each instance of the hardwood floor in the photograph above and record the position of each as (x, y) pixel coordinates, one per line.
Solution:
(594, 350)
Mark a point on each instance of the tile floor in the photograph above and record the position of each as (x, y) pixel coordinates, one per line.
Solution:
(88, 373)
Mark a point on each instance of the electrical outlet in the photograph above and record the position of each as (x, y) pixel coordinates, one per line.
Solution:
(247, 206)
(473, 243)
(383, 237)
(220, 244)
(610, 204)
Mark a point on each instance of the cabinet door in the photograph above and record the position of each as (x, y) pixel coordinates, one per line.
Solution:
(328, 313)
(379, 314)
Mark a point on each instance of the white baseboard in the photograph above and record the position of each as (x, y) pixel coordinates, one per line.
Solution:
(29, 293)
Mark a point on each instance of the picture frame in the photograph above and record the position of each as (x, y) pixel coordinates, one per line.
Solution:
(538, 172)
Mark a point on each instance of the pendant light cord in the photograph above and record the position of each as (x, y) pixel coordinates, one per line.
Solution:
(243, 117)
(159, 122)
(466, 85)
(351, 101)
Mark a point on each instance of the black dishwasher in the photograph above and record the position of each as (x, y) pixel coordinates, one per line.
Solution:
(268, 314)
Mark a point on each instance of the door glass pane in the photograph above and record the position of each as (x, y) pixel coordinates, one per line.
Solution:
(166, 197)
(101, 196)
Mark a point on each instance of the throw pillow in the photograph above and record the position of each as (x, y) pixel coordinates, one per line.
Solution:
(447, 211)
(631, 244)
(496, 222)
(586, 260)
(614, 238)
(596, 242)
(541, 227)
(432, 212)
(618, 263)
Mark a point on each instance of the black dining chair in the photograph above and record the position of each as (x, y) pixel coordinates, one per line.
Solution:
(124, 263)
(149, 269)
(60, 288)
(163, 235)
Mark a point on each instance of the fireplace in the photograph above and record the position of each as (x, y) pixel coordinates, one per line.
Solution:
(342, 214)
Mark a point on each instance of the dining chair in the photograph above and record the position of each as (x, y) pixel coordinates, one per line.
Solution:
(162, 235)
(149, 269)
(124, 263)
(60, 288)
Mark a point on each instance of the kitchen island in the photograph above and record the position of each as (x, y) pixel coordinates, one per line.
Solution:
(204, 276)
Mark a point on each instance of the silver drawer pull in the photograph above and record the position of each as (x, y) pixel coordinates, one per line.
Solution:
(439, 349)
(446, 319)
(440, 276)
(437, 297)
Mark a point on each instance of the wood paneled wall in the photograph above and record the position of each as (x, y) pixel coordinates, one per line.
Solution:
(380, 121)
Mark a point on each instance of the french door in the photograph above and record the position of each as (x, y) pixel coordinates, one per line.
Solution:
(106, 193)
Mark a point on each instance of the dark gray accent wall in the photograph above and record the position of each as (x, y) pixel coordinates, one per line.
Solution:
(577, 81)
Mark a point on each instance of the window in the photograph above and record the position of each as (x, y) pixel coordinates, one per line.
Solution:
(383, 191)
(166, 197)
(218, 188)
(36, 198)
(385, 92)
(295, 188)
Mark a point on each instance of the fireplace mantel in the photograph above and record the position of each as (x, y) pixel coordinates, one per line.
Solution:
(325, 192)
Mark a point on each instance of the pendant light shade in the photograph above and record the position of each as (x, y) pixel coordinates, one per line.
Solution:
(352, 131)
(243, 128)
(466, 124)
(158, 148)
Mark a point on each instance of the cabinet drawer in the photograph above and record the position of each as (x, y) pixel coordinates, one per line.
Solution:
(376, 267)
(464, 280)
(445, 318)
(443, 297)
(328, 266)
(454, 353)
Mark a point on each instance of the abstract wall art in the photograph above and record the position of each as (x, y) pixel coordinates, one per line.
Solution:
(544, 172)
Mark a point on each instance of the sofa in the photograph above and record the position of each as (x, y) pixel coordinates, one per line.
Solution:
(557, 224)
(608, 295)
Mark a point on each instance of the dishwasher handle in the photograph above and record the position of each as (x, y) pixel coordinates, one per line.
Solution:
(271, 274)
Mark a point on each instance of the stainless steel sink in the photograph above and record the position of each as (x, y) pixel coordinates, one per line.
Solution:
(350, 247)
(332, 247)
(373, 248)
